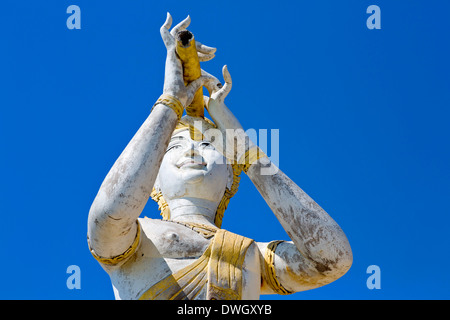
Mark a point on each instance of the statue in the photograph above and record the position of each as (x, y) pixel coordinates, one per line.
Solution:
(186, 255)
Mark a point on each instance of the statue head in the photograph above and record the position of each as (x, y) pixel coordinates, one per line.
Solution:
(193, 168)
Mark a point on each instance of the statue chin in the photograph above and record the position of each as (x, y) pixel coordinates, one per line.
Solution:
(192, 176)
(190, 181)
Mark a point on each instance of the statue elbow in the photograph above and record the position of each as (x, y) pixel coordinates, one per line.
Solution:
(343, 257)
(341, 265)
(332, 269)
(344, 263)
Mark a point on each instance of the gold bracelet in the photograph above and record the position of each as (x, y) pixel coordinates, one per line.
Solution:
(171, 102)
(121, 257)
(252, 155)
(269, 267)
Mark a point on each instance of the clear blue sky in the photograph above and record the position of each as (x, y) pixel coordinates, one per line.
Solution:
(362, 114)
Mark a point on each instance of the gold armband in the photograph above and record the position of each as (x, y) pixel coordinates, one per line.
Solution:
(269, 267)
(252, 155)
(121, 257)
(171, 102)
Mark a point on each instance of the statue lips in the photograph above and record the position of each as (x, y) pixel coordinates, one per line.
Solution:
(191, 163)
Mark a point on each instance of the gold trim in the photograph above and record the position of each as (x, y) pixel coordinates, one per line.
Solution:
(206, 231)
(163, 206)
(219, 268)
(270, 271)
(252, 155)
(171, 102)
(121, 257)
(229, 193)
(185, 284)
(191, 71)
(225, 266)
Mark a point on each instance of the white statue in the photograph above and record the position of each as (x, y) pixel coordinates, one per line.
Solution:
(186, 255)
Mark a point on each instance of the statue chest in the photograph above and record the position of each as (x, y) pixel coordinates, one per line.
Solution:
(177, 241)
(169, 249)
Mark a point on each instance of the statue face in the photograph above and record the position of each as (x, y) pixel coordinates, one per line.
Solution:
(192, 169)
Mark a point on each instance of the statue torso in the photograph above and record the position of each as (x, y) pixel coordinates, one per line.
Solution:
(165, 248)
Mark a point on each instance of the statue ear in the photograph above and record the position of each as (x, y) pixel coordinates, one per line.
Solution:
(156, 185)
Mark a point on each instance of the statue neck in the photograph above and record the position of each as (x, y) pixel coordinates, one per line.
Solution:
(193, 210)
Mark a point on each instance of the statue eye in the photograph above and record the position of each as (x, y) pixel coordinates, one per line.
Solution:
(173, 147)
(205, 144)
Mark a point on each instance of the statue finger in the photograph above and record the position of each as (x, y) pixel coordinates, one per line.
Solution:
(193, 87)
(227, 76)
(202, 57)
(168, 23)
(165, 34)
(223, 92)
(211, 83)
(181, 26)
(201, 48)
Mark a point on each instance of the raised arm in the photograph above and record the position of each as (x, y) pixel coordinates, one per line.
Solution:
(112, 222)
(319, 252)
(325, 253)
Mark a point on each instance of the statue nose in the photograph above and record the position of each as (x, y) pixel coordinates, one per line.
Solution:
(191, 151)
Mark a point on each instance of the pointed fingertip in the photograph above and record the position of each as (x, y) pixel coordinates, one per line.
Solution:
(226, 75)
(187, 21)
(225, 71)
(168, 21)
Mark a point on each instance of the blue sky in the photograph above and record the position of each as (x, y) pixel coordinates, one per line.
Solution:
(362, 117)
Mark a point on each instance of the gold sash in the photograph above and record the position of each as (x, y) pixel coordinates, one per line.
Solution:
(219, 268)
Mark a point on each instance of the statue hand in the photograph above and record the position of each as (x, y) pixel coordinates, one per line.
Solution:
(232, 132)
(218, 92)
(173, 79)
